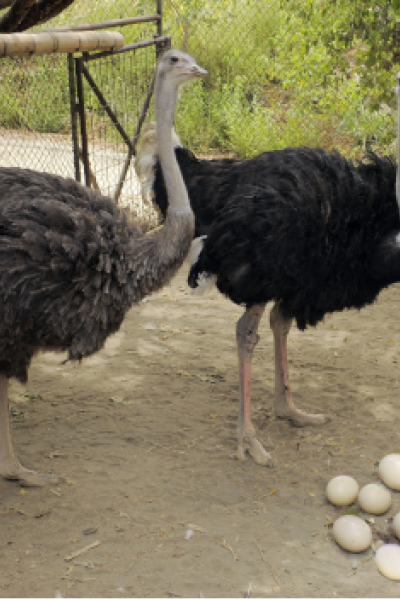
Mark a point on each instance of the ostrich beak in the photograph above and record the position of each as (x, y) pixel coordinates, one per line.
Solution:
(198, 71)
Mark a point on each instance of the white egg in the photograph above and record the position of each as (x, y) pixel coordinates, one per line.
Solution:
(388, 561)
(342, 490)
(352, 533)
(396, 525)
(374, 498)
(389, 470)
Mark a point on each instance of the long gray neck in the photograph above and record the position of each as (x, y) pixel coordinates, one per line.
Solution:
(166, 96)
(154, 258)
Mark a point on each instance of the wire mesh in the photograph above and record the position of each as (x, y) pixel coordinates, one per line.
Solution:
(227, 37)
(35, 112)
(124, 81)
(31, 137)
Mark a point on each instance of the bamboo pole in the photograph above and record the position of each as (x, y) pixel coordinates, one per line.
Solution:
(106, 24)
(27, 44)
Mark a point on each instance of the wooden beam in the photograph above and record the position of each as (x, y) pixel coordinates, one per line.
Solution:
(27, 44)
(17, 13)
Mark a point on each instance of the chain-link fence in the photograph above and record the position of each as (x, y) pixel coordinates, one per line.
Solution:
(35, 105)
(34, 98)
(35, 117)
(116, 92)
(268, 77)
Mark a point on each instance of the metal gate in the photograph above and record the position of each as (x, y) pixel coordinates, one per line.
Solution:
(110, 95)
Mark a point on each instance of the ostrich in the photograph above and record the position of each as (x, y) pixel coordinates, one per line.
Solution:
(304, 228)
(72, 263)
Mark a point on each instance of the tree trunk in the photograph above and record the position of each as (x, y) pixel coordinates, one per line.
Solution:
(16, 14)
(42, 12)
(25, 14)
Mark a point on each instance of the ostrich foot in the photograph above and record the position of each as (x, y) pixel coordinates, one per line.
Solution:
(254, 447)
(13, 470)
(298, 417)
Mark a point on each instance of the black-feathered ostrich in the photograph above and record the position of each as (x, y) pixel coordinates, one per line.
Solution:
(72, 263)
(302, 227)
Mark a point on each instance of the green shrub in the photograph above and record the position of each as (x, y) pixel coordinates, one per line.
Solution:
(281, 73)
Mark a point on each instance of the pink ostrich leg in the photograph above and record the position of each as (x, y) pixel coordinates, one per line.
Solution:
(284, 407)
(247, 338)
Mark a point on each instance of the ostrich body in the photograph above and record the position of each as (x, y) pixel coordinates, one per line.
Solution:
(72, 263)
(301, 227)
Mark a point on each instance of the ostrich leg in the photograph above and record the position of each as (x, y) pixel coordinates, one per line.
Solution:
(247, 338)
(10, 467)
(284, 407)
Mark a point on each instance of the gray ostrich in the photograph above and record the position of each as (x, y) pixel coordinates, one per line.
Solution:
(72, 263)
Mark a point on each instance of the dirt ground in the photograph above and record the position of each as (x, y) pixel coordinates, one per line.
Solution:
(143, 434)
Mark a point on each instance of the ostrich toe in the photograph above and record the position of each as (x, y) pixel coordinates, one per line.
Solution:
(15, 471)
(252, 446)
(298, 417)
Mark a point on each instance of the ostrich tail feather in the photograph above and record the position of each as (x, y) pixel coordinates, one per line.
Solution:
(204, 282)
(195, 249)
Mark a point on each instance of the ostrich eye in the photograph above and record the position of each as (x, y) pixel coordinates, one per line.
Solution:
(174, 59)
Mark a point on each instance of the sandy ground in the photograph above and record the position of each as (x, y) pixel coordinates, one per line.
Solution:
(143, 434)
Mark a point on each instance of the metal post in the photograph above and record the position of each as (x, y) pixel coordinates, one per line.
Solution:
(167, 42)
(74, 116)
(82, 116)
(160, 22)
(159, 28)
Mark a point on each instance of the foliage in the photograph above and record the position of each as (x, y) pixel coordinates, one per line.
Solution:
(226, 119)
(28, 101)
(281, 72)
(334, 61)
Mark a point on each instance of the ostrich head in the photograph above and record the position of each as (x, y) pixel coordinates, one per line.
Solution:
(179, 67)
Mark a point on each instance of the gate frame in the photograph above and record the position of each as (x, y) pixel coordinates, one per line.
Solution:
(77, 70)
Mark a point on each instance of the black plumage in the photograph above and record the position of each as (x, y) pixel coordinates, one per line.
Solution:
(211, 182)
(305, 228)
(310, 235)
